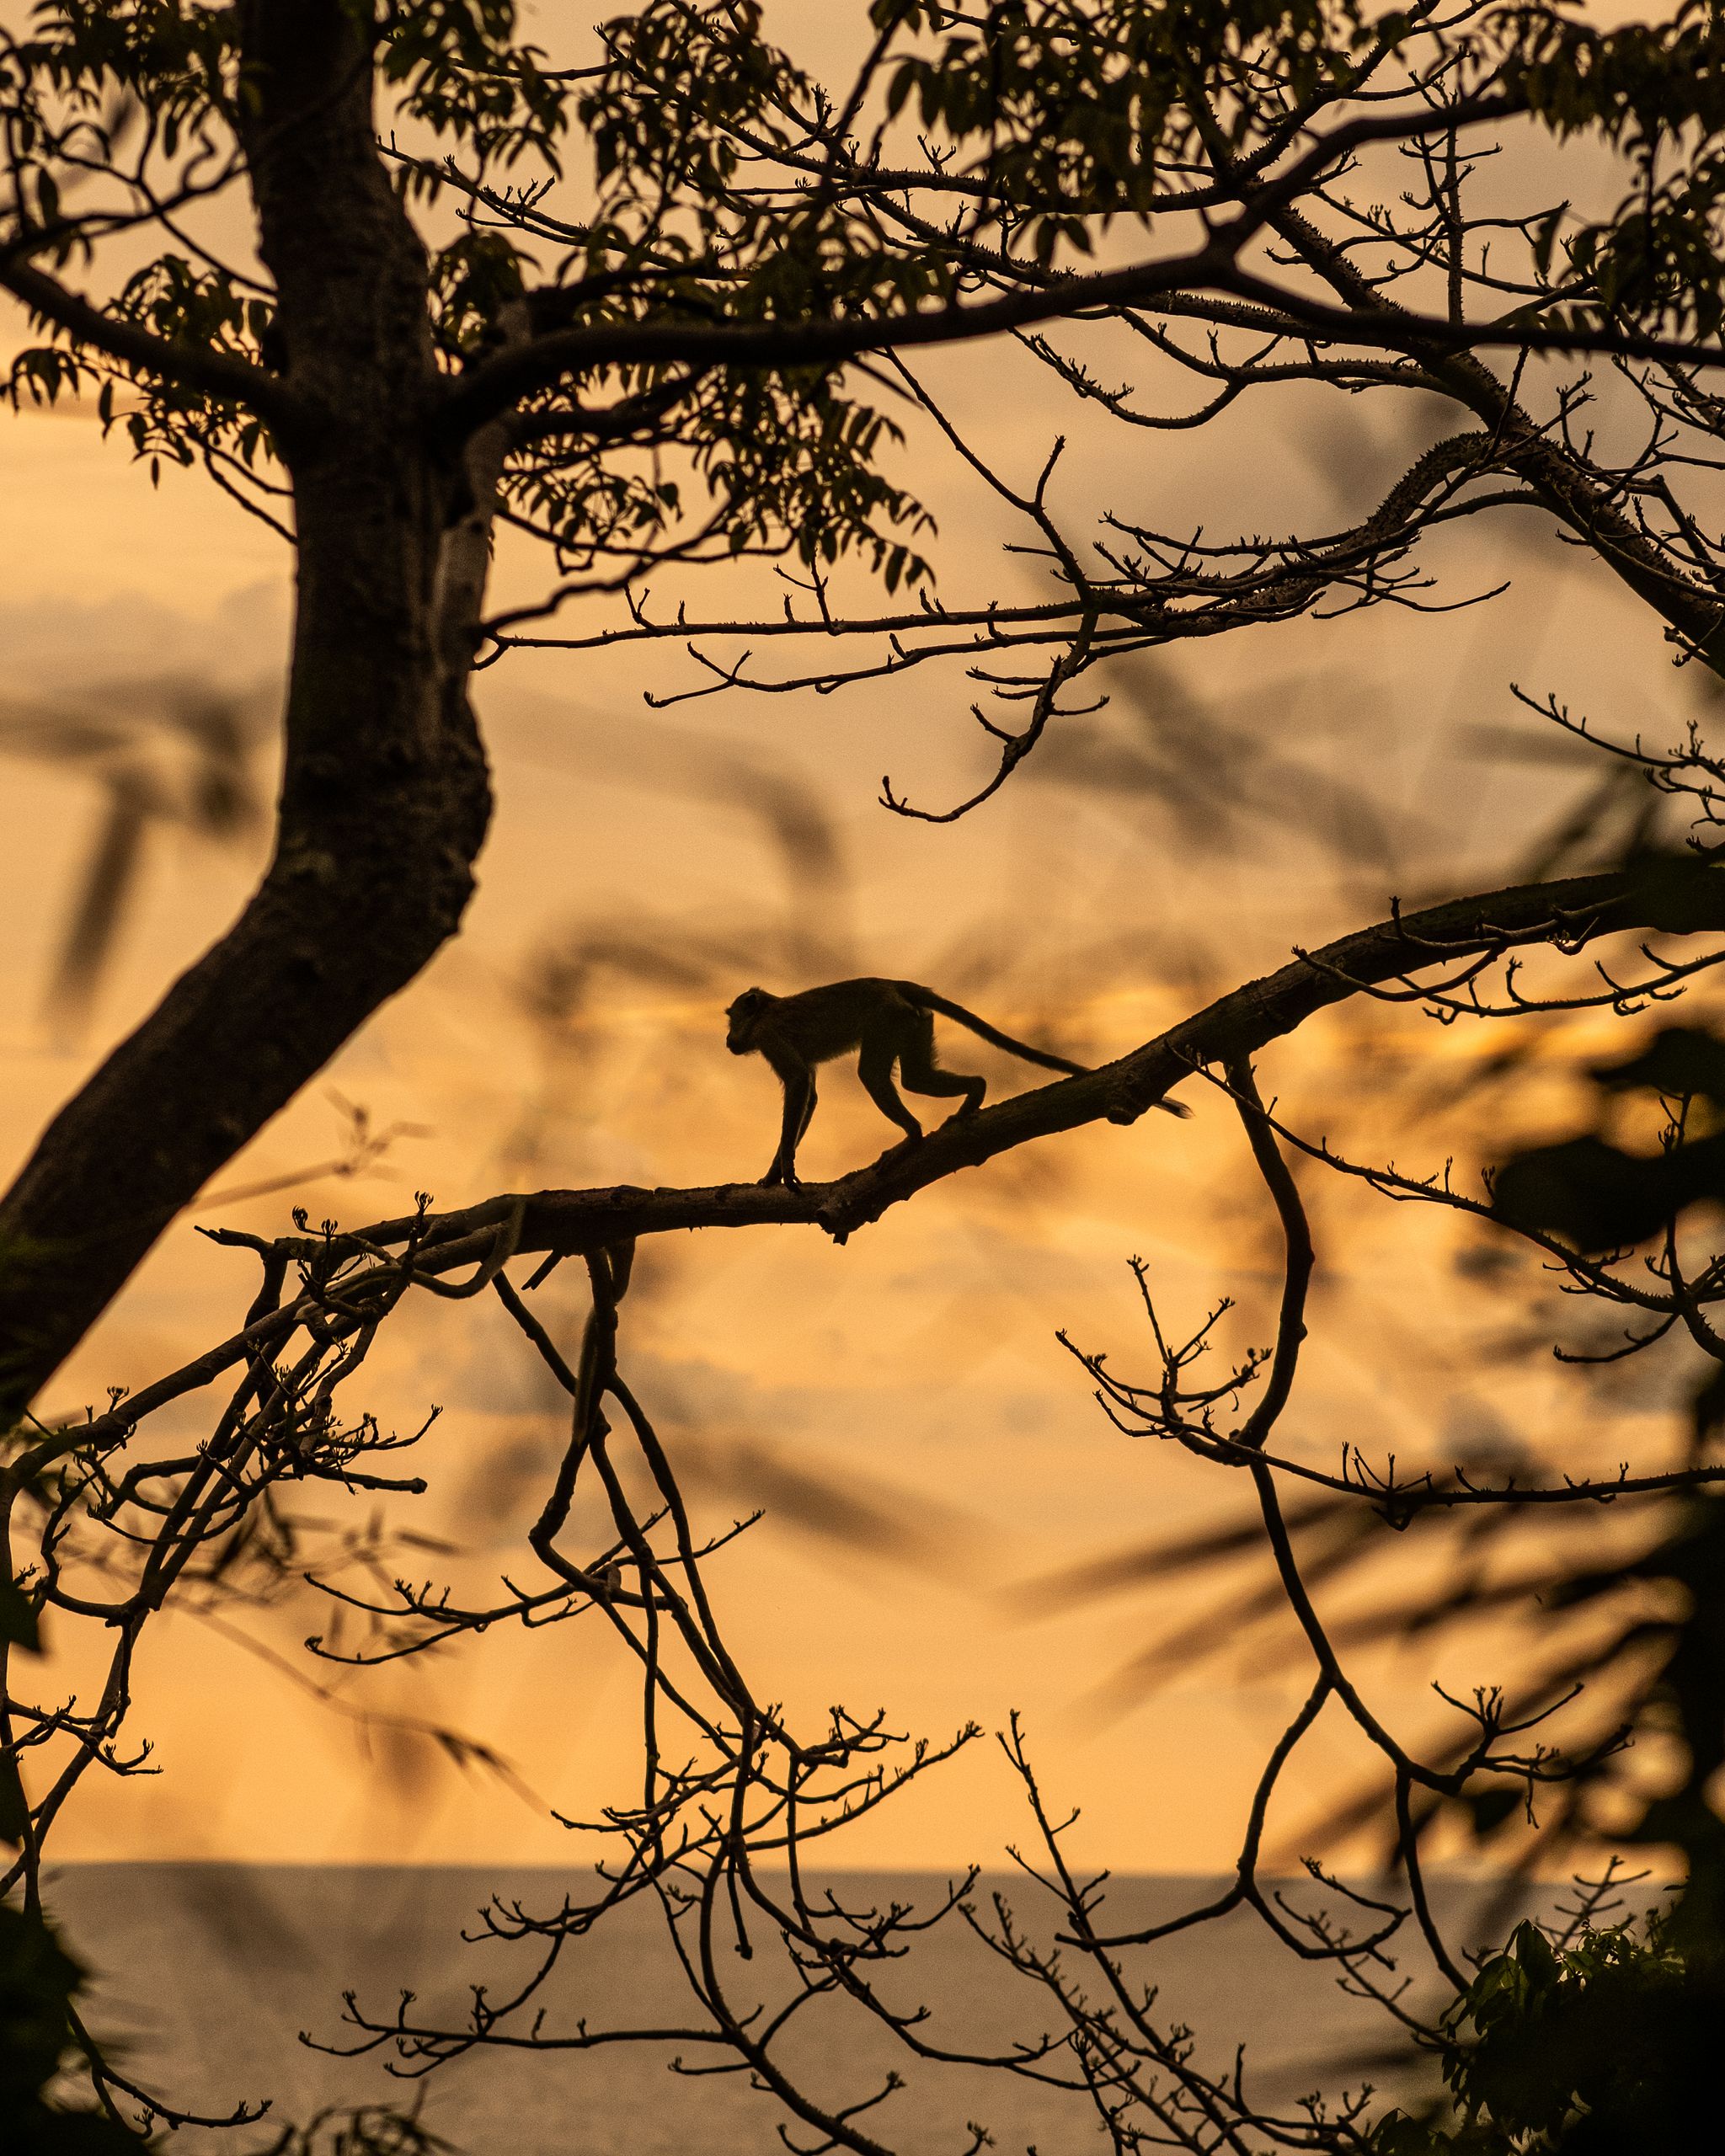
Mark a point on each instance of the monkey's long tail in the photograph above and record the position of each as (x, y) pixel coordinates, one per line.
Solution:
(925, 999)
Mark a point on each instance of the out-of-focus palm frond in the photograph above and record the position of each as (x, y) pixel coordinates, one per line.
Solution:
(168, 754)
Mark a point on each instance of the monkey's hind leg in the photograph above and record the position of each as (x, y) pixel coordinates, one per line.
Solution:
(921, 1072)
(874, 1067)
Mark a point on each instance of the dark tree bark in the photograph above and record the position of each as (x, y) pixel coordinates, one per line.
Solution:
(385, 796)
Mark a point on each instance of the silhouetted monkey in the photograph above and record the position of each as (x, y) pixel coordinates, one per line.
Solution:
(890, 1022)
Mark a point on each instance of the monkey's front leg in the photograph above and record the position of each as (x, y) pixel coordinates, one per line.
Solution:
(799, 1106)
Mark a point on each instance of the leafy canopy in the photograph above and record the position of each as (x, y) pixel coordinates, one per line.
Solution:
(685, 172)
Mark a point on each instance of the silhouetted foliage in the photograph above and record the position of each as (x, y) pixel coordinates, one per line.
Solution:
(1606, 2048)
(38, 1981)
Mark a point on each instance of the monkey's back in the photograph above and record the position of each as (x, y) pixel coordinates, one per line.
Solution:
(832, 1020)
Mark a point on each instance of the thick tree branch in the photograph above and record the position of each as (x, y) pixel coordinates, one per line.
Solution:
(1666, 897)
(1215, 268)
(1397, 329)
(1575, 493)
(1671, 898)
(502, 382)
(545, 361)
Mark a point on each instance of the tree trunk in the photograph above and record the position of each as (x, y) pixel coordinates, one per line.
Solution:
(385, 796)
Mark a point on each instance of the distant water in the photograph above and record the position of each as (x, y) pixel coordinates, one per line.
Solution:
(205, 1972)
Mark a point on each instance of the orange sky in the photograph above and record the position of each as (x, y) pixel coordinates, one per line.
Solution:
(915, 1369)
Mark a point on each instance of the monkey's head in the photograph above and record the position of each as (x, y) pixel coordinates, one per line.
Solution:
(743, 1019)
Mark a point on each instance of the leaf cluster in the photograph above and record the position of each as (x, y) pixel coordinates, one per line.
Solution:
(1077, 114)
(790, 465)
(463, 72)
(175, 61)
(38, 1980)
(1657, 91)
(1603, 2046)
(681, 87)
(457, 65)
